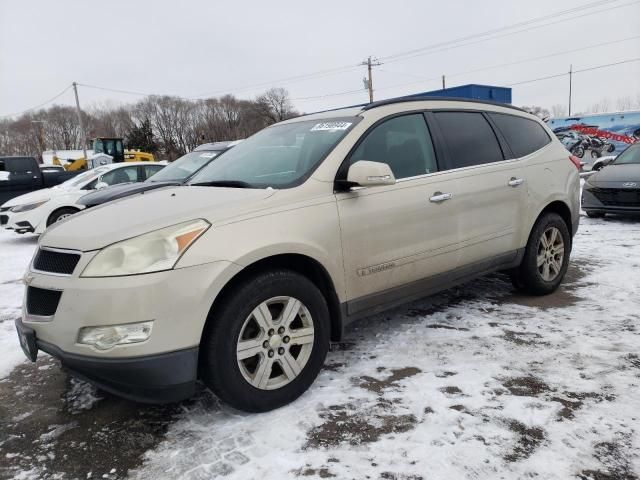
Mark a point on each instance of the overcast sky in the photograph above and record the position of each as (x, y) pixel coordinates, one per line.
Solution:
(193, 48)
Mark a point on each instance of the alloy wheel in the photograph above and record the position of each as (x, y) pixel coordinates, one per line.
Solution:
(550, 254)
(275, 343)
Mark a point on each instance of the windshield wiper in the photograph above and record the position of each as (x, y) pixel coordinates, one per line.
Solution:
(223, 183)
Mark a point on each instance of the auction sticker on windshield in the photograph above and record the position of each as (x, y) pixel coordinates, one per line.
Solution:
(330, 126)
(208, 155)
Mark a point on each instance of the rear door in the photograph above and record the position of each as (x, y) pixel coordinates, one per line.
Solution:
(394, 235)
(491, 198)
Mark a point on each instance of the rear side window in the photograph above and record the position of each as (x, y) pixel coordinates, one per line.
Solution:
(16, 165)
(150, 170)
(524, 136)
(403, 143)
(469, 139)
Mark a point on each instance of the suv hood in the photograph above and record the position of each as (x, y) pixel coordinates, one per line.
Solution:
(129, 217)
(613, 175)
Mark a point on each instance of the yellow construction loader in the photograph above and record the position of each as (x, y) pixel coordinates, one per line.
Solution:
(113, 147)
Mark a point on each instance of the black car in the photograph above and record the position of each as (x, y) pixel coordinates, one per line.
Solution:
(615, 188)
(20, 175)
(177, 173)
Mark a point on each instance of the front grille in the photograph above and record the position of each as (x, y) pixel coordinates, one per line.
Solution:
(4, 219)
(42, 302)
(56, 262)
(618, 197)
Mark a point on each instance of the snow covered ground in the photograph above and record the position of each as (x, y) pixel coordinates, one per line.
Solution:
(478, 382)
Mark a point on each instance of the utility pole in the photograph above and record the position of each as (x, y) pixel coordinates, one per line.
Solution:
(83, 137)
(570, 85)
(443, 83)
(369, 80)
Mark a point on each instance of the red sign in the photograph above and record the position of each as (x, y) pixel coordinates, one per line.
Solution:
(603, 134)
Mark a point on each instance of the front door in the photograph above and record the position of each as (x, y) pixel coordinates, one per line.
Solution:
(397, 234)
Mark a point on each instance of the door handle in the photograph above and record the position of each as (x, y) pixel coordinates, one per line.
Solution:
(440, 197)
(514, 182)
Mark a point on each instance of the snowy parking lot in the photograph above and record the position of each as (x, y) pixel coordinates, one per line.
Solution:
(477, 382)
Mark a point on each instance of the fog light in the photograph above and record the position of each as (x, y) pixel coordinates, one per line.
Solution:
(104, 338)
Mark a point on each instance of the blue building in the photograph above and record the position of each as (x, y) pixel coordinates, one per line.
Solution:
(474, 91)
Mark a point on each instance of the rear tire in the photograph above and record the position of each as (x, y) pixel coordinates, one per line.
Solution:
(546, 257)
(61, 214)
(266, 343)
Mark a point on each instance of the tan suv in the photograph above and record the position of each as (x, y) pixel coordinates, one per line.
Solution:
(243, 277)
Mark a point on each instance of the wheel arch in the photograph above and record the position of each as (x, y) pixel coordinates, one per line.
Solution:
(57, 209)
(561, 208)
(296, 262)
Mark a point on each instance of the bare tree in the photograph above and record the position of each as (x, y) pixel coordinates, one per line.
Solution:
(624, 103)
(604, 105)
(176, 125)
(537, 111)
(558, 110)
(274, 105)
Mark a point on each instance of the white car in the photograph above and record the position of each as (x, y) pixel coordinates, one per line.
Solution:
(35, 211)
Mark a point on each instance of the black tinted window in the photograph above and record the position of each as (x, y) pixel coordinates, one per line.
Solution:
(16, 165)
(469, 138)
(403, 143)
(524, 136)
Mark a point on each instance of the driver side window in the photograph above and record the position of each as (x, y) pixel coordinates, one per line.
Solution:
(404, 143)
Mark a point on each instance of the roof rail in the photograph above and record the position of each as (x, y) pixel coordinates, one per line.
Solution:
(391, 101)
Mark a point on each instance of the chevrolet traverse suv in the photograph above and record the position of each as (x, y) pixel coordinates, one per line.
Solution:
(242, 277)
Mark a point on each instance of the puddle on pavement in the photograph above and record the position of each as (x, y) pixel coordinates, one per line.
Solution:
(563, 297)
(528, 439)
(379, 386)
(60, 425)
(348, 424)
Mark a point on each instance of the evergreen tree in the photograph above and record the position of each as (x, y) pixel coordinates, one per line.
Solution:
(141, 137)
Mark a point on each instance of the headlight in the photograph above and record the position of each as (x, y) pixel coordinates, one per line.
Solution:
(27, 206)
(105, 338)
(151, 252)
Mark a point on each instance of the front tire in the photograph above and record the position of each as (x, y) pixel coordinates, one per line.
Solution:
(266, 343)
(61, 214)
(546, 257)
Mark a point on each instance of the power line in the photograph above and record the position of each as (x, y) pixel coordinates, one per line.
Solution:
(630, 60)
(126, 92)
(451, 43)
(557, 75)
(433, 49)
(40, 105)
(508, 64)
(284, 81)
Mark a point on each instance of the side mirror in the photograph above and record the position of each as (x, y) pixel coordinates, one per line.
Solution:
(100, 185)
(370, 174)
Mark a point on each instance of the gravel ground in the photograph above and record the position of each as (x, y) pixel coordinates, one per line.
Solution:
(477, 382)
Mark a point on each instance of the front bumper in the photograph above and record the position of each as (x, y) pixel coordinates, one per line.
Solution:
(23, 222)
(163, 378)
(160, 369)
(591, 203)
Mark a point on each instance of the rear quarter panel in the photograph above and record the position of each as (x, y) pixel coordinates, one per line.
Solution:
(550, 176)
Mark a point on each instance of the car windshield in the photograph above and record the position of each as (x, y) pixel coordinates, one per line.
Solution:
(184, 167)
(630, 155)
(83, 178)
(280, 156)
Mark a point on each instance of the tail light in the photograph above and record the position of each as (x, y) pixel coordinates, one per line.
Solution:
(576, 161)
